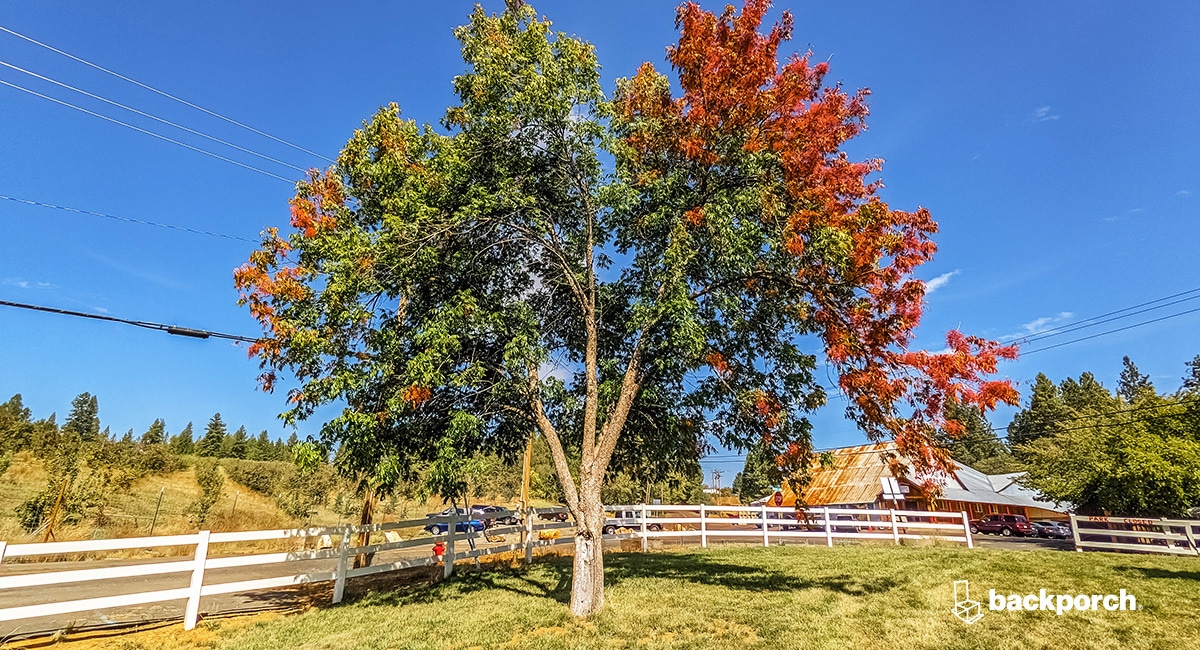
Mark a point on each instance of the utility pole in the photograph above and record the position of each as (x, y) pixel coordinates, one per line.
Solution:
(716, 479)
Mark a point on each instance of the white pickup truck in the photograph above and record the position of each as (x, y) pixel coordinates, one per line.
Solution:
(627, 519)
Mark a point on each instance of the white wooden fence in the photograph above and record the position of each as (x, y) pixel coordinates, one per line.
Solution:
(652, 521)
(782, 523)
(200, 562)
(1172, 536)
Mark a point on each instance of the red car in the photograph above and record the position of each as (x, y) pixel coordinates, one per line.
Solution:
(1006, 525)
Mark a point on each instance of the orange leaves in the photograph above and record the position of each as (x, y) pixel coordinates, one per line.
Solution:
(417, 395)
(718, 363)
(695, 216)
(767, 408)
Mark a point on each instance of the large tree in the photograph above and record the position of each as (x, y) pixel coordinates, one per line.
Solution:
(213, 441)
(84, 418)
(455, 288)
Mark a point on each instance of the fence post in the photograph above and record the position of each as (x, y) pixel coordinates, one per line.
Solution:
(528, 535)
(766, 534)
(967, 529)
(703, 528)
(339, 581)
(828, 529)
(1187, 530)
(1075, 532)
(895, 530)
(4, 549)
(448, 557)
(645, 540)
(191, 613)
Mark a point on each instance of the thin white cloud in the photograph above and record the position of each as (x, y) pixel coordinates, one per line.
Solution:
(1183, 193)
(1044, 114)
(1037, 326)
(940, 281)
(22, 283)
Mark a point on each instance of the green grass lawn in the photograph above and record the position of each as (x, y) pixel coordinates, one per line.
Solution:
(858, 597)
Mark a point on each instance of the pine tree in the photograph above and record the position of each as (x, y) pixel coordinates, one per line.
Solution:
(260, 448)
(977, 446)
(156, 434)
(756, 477)
(1133, 385)
(235, 446)
(1041, 417)
(214, 437)
(16, 427)
(1086, 395)
(1191, 381)
(182, 443)
(84, 419)
(127, 439)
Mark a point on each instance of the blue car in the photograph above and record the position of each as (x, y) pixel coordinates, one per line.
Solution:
(473, 526)
(463, 525)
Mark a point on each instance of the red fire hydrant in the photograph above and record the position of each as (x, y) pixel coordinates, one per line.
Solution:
(439, 549)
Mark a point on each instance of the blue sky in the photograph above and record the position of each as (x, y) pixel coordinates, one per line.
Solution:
(1056, 144)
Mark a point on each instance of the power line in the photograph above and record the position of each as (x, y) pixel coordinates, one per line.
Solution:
(153, 117)
(1192, 294)
(165, 94)
(143, 222)
(169, 329)
(151, 133)
(1112, 331)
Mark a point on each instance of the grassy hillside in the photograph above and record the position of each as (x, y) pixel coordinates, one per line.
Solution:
(746, 597)
(129, 512)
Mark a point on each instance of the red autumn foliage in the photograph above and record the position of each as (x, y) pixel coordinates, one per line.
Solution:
(739, 98)
(268, 276)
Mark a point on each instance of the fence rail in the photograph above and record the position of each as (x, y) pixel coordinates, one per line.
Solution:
(1170, 536)
(535, 531)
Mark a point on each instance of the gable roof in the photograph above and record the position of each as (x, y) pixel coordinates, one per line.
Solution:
(855, 478)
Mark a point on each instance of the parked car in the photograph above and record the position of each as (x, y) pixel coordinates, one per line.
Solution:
(1051, 529)
(464, 523)
(553, 516)
(844, 529)
(627, 519)
(495, 514)
(1006, 525)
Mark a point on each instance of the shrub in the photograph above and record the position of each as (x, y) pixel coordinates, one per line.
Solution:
(208, 475)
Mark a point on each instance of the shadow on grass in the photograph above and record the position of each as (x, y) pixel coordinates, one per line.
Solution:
(1160, 573)
(551, 578)
(700, 570)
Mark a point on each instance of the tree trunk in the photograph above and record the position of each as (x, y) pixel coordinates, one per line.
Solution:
(587, 588)
(366, 518)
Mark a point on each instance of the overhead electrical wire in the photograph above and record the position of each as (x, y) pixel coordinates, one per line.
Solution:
(143, 222)
(1192, 294)
(164, 94)
(169, 329)
(152, 117)
(1112, 331)
(151, 133)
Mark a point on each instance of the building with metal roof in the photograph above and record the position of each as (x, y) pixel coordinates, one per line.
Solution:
(859, 477)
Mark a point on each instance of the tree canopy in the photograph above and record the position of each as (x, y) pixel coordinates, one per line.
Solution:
(457, 287)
